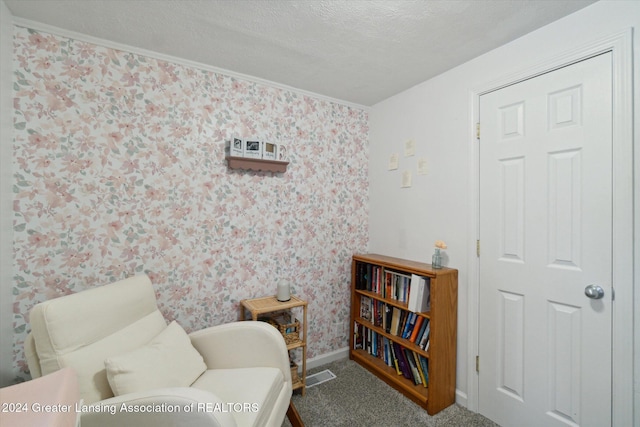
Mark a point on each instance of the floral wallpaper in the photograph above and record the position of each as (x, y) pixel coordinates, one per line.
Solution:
(120, 170)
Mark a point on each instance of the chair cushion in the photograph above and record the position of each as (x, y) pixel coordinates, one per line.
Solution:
(248, 393)
(168, 360)
(83, 329)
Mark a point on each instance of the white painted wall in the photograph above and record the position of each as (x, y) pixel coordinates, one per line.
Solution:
(437, 114)
(6, 229)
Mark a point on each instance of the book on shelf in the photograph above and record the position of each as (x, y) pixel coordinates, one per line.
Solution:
(372, 342)
(374, 311)
(404, 318)
(367, 340)
(409, 324)
(425, 369)
(424, 338)
(395, 321)
(358, 336)
(361, 276)
(419, 300)
(417, 328)
(385, 351)
(423, 379)
(369, 278)
(379, 280)
(365, 308)
(388, 310)
(402, 361)
(378, 319)
(421, 331)
(396, 285)
(415, 376)
(394, 359)
(388, 285)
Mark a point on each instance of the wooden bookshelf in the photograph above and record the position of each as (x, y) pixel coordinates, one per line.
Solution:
(442, 317)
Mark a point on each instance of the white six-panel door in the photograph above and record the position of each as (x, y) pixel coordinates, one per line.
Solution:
(545, 236)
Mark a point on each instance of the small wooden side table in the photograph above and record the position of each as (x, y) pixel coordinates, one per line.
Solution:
(258, 306)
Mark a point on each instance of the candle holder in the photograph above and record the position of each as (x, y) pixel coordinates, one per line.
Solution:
(284, 292)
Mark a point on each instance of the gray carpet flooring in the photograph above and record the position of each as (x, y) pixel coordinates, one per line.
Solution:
(358, 398)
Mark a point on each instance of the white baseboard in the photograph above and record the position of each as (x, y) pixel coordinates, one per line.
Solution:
(461, 398)
(323, 359)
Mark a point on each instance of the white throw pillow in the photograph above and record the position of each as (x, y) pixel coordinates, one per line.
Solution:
(168, 360)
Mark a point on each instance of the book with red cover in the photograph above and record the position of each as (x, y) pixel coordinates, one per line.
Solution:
(416, 329)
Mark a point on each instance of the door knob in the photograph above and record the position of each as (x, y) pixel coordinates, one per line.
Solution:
(594, 291)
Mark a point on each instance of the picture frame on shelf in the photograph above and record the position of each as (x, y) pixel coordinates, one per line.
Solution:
(269, 151)
(253, 149)
(235, 147)
(282, 153)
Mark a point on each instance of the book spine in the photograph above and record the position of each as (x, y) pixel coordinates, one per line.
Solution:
(411, 318)
(424, 339)
(415, 377)
(416, 329)
(402, 361)
(416, 358)
(396, 365)
(425, 369)
(357, 336)
(426, 298)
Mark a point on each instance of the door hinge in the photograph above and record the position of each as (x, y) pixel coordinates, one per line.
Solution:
(477, 363)
(478, 130)
(478, 248)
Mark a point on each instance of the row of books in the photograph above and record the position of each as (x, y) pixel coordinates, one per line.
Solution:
(384, 282)
(408, 363)
(413, 289)
(401, 323)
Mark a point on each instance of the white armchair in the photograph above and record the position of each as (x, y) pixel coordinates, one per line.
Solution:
(116, 339)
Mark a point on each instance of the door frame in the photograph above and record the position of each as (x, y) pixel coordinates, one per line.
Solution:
(621, 46)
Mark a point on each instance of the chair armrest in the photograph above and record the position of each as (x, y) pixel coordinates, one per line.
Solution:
(166, 407)
(33, 361)
(242, 345)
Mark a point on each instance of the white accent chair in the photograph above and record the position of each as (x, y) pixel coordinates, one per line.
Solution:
(246, 380)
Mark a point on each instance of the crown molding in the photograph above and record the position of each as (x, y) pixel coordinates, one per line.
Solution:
(38, 26)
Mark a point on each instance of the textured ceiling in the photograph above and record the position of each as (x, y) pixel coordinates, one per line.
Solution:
(357, 51)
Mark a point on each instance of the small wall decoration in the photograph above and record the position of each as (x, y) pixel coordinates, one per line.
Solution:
(256, 155)
(282, 153)
(393, 162)
(253, 149)
(422, 166)
(406, 179)
(409, 148)
(269, 151)
(235, 147)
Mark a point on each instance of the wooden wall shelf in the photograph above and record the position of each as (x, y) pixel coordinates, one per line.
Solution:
(256, 164)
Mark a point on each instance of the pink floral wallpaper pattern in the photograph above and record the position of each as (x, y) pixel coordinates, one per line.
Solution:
(120, 170)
